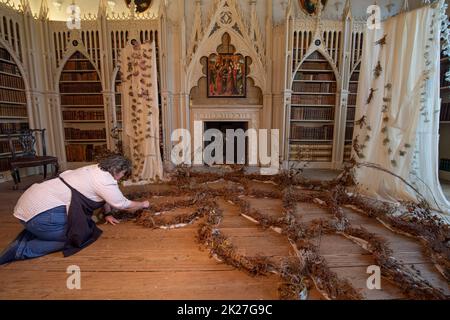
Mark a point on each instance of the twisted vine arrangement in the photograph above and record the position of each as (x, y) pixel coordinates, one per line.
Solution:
(307, 268)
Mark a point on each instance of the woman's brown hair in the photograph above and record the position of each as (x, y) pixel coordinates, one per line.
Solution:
(115, 164)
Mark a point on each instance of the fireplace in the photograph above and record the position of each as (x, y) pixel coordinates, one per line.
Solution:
(230, 140)
(224, 117)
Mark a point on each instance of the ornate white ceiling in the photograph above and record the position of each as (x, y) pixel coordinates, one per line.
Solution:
(333, 9)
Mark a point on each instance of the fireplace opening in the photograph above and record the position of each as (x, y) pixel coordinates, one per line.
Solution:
(235, 140)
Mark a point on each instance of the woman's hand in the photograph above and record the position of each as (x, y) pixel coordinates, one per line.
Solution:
(145, 204)
(112, 220)
(137, 205)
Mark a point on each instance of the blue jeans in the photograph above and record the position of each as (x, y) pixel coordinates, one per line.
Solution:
(43, 234)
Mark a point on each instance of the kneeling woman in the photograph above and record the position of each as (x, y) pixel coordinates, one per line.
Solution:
(57, 213)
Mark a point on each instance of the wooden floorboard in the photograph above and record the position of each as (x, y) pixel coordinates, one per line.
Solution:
(130, 261)
(189, 285)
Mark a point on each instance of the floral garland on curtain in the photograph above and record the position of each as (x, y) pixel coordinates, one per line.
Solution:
(360, 141)
(438, 17)
(445, 37)
(445, 33)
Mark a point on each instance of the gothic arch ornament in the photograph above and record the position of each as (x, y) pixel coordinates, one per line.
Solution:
(317, 26)
(74, 45)
(226, 19)
(17, 62)
(321, 49)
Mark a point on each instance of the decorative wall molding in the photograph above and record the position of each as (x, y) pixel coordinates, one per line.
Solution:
(228, 113)
(244, 37)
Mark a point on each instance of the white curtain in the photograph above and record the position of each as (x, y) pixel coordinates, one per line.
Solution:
(397, 116)
(140, 111)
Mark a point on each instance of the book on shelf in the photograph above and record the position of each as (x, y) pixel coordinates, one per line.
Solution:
(445, 112)
(13, 82)
(354, 76)
(351, 100)
(312, 133)
(351, 113)
(95, 87)
(444, 164)
(311, 146)
(83, 152)
(305, 99)
(349, 131)
(4, 164)
(314, 56)
(83, 115)
(347, 151)
(4, 54)
(78, 55)
(311, 152)
(442, 81)
(353, 88)
(5, 148)
(84, 65)
(314, 76)
(324, 87)
(12, 110)
(79, 134)
(309, 113)
(308, 157)
(9, 68)
(445, 96)
(82, 100)
(82, 76)
(9, 128)
(7, 95)
(307, 65)
(118, 99)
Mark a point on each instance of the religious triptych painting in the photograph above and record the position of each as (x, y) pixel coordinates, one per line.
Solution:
(226, 76)
(311, 6)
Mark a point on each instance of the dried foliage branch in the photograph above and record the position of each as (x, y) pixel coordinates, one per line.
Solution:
(330, 195)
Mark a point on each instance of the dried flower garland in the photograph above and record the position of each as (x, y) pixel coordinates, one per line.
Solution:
(310, 267)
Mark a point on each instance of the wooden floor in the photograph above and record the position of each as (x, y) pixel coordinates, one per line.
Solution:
(133, 262)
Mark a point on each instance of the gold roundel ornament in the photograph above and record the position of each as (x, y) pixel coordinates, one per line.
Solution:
(311, 7)
(141, 5)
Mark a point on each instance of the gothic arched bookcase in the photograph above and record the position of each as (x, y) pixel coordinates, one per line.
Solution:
(82, 107)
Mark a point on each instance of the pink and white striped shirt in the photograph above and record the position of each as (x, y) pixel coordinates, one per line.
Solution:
(91, 181)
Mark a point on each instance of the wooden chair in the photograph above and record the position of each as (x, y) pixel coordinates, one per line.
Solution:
(28, 155)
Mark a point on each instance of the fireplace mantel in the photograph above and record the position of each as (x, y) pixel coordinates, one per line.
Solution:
(249, 113)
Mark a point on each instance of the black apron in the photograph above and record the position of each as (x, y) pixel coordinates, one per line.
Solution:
(81, 229)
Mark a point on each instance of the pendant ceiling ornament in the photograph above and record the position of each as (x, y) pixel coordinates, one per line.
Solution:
(141, 5)
(311, 6)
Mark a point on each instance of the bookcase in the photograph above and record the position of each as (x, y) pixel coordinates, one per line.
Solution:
(312, 116)
(444, 125)
(117, 114)
(351, 108)
(13, 105)
(82, 109)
